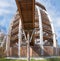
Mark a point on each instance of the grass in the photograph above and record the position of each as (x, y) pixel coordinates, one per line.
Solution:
(49, 59)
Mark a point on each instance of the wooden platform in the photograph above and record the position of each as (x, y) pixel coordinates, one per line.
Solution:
(27, 10)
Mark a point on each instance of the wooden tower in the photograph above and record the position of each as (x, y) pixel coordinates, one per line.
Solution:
(31, 18)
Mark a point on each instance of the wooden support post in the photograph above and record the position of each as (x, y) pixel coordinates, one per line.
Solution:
(28, 48)
(8, 45)
(54, 35)
(10, 51)
(19, 37)
(53, 32)
(41, 31)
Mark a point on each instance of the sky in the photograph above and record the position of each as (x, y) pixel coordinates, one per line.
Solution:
(8, 9)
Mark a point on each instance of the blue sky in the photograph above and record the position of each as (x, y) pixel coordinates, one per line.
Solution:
(8, 9)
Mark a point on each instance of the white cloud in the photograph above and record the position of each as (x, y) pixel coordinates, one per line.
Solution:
(7, 9)
(4, 4)
(57, 22)
(4, 11)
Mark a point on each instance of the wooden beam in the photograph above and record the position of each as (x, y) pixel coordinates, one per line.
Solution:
(19, 9)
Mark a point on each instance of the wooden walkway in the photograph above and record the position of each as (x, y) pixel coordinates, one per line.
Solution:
(26, 9)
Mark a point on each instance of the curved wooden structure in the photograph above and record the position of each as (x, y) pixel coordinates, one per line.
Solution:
(31, 17)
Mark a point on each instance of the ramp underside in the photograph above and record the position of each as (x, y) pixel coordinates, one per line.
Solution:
(26, 9)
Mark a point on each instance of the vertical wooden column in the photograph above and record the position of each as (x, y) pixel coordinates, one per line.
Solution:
(41, 30)
(19, 37)
(10, 51)
(31, 52)
(8, 45)
(8, 40)
(28, 48)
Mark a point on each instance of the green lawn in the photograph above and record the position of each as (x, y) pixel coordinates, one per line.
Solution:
(50, 59)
